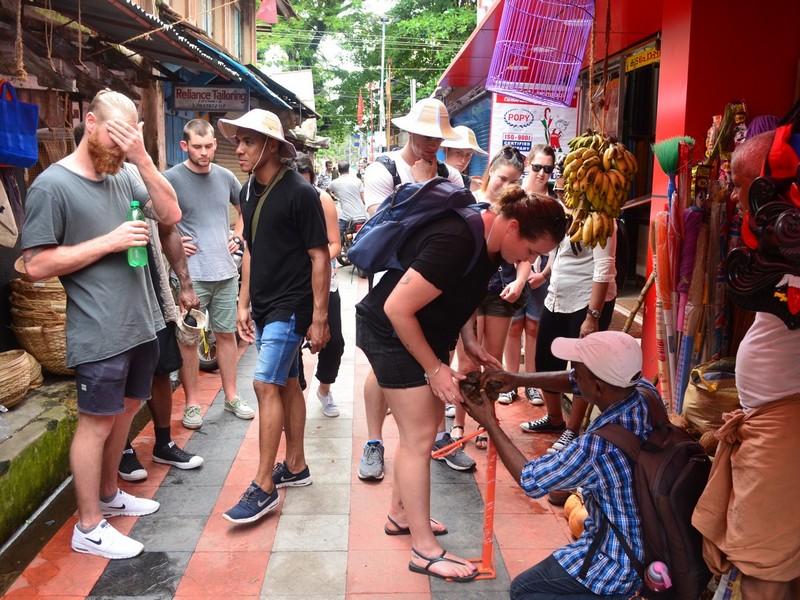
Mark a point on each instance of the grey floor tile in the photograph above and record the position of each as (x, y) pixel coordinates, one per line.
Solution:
(149, 574)
(211, 472)
(460, 497)
(187, 499)
(305, 575)
(330, 471)
(169, 533)
(329, 447)
(324, 427)
(316, 499)
(208, 444)
(311, 533)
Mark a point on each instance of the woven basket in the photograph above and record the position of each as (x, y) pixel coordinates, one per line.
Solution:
(49, 289)
(48, 345)
(35, 304)
(15, 377)
(35, 371)
(30, 317)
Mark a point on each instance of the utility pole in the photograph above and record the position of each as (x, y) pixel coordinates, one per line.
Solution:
(413, 84)
(381, 108)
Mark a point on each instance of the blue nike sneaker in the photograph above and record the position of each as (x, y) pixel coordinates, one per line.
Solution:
(282, 477)
(255, 503)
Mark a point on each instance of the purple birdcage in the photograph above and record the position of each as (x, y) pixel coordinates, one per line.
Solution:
(539, 49)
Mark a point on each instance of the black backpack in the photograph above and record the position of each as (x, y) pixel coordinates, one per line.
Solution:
(441, 169)
(670, 471)
(409, 207)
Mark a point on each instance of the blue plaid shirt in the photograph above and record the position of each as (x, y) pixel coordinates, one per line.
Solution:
(605, 477)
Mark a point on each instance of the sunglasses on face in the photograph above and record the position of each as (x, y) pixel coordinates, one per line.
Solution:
(537, 167)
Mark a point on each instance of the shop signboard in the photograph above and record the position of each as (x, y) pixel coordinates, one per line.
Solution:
(523, 124)
(648, 56)
(211, 98)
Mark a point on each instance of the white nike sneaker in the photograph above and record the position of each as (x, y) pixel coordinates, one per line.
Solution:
(126, 505)
(105, 541)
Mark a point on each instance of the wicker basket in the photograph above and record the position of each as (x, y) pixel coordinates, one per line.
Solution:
(31, 317)
(48, 289)
(15, 377)
(35, 371)
(48, 345)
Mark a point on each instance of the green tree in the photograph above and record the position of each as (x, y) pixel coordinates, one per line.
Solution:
(422, 37)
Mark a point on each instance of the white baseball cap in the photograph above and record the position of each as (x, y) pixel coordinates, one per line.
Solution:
(262, 121)
(466, 141)
(612, 356)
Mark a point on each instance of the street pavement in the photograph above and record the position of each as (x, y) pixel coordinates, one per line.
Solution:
(325, 541)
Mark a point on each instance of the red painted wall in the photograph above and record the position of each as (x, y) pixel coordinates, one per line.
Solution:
(631, 22)
(714, 52)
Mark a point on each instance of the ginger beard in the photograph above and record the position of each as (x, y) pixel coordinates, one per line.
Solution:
(104, 160)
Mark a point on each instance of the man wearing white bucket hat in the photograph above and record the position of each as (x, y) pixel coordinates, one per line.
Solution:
(458, 154)
(284, 299)
(428, 125)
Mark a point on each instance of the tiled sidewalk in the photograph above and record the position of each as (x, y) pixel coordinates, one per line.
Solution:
(325, 542)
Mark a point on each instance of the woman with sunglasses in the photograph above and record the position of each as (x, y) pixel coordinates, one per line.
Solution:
(407, 326)
(507, 287)
(580, 300)
(541, 160)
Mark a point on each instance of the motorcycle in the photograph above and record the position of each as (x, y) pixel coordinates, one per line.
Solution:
(348, 237)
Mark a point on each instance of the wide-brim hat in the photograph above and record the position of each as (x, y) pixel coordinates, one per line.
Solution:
(428, 117)
(466, 141)
(262, 121)
(191, 334)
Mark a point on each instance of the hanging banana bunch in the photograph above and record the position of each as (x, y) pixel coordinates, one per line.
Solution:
(598, 173)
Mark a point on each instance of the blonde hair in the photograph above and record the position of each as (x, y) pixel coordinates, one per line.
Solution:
(106, 100)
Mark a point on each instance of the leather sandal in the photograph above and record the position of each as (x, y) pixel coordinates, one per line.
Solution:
(426, 570)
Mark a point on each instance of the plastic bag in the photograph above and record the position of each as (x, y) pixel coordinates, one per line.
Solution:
(730, 585)
(711, 392)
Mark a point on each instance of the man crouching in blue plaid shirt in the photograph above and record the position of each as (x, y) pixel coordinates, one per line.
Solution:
(606, 371)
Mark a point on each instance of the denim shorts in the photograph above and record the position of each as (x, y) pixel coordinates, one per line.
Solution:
(220, 299)
(103, 385)
(393, 365)
(533, 307)
(278, 347)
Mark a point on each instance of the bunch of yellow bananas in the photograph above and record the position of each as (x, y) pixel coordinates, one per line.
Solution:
(597, 177)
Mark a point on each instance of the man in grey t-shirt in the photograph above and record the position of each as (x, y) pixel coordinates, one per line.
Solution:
(76, 229)
(205, 192)
(349, 193)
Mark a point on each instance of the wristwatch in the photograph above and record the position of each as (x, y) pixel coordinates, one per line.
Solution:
(237, 240)
(595, 314)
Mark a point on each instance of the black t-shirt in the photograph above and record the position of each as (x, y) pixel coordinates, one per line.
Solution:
(441, 253)
(291, 222)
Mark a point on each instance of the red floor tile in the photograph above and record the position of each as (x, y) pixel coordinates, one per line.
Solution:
(224, 574)
(65, 573)
(383, 572)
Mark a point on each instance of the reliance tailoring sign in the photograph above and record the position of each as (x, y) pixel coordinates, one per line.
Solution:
(208, 98)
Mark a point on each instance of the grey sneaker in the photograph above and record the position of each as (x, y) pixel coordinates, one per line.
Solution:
(239, 407)
(192, 419)
(457, 459)
(564, 440)
(329, 408)
(371, 467)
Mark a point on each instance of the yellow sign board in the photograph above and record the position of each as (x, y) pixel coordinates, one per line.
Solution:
(642, 59)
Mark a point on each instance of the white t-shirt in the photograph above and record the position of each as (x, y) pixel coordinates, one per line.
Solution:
(767, 362)
(378, 182)
(572, 275)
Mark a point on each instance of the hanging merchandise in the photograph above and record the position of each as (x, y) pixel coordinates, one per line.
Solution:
(18, 124)
(8, 224)
(539, 49)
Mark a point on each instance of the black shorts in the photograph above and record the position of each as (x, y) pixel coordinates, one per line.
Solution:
(494, 306)
(393, 365)
(170, 358)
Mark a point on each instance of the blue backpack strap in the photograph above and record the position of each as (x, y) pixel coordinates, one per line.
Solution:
(472, 216)
(391, 167)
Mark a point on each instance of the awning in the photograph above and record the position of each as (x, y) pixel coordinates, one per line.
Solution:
(289, 96)
(471, 65)
(123, 22)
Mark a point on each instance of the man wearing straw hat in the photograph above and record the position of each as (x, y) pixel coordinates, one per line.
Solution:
(458, 154)
(286, 273)
(428, 125)
(76, 229)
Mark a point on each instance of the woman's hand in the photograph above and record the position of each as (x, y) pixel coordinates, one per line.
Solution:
(442, 384)
(478, 355)
(512, 291)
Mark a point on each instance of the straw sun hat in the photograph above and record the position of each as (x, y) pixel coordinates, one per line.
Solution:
(261, 121)
(466, 140)
(427, 117)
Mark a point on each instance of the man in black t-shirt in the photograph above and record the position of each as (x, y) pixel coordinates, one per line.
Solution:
(286, 275)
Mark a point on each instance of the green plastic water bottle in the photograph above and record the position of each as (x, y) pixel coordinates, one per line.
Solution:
(137, 255)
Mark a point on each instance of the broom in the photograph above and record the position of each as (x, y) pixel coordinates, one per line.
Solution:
(666, 152)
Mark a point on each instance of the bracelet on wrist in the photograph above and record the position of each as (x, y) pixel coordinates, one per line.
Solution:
(428, 377)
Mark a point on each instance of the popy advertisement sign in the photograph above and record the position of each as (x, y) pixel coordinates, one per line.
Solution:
(522, 124)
